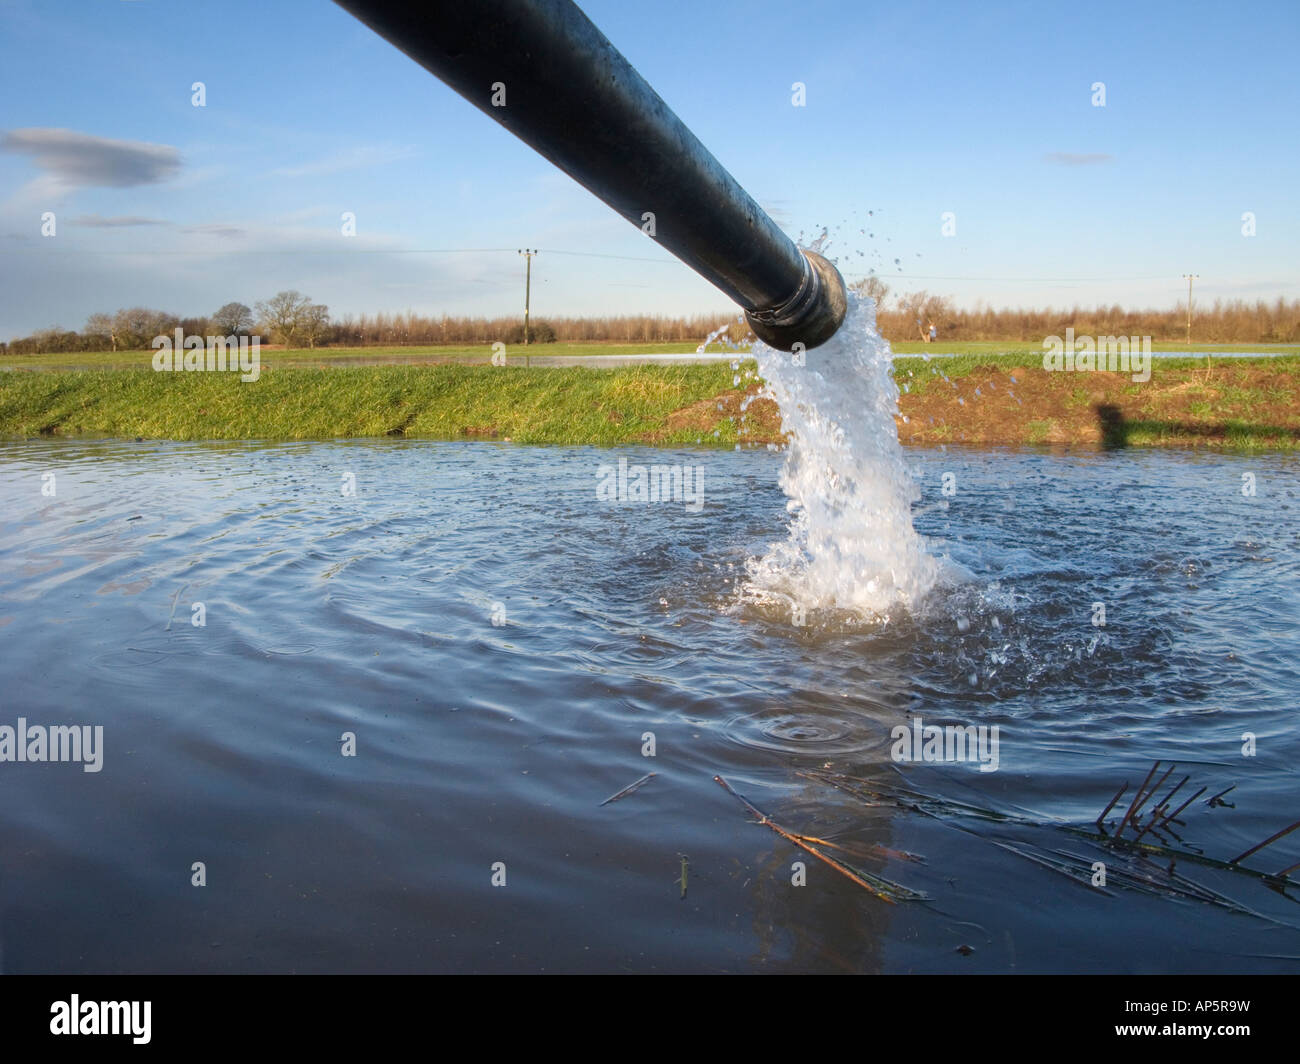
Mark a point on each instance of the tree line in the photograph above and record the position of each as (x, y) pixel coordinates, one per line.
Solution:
(909, 316)
(292, 319)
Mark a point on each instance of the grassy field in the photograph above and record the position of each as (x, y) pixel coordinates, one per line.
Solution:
(273, 357)
(975, 398)
(326, 356)
(1035, 348)
(591, 406)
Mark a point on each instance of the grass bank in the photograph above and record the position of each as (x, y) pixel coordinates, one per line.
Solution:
(304, 358)
(1244, 404)
(976, 399)
(1034, 348)
(648, 404)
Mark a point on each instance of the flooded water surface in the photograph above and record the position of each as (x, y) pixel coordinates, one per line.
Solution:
(373, 694)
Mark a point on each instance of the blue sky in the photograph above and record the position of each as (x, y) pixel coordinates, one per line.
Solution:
(913, 109)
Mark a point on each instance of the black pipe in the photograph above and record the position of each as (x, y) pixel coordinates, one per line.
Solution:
(542, 70)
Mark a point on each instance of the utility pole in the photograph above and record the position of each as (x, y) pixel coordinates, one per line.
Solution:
(528, 254)
(1190, 277)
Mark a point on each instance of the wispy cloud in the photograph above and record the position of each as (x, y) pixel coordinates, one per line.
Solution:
(78, 160)
(129, 221)
(1072, 158)
(125, 221)
(216, 229)
(360, 158)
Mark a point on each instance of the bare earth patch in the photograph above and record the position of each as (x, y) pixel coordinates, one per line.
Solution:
(1176, 408)
(759, 423)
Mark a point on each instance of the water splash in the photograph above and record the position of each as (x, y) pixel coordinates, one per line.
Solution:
(851, 544)
(722, 335)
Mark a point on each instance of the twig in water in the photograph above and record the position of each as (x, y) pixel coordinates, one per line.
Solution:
(629, 788)
(1217, 799)
(1134, 807)
(1270, 839)
(1118, 795)
(1287, 871)
(1164, 802)
(1160, 782)
(1170, 818)
(790, 836)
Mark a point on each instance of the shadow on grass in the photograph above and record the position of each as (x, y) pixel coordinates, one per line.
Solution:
(1116, 430)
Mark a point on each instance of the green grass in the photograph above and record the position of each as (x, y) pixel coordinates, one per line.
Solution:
(927, 374)
(963, 362)
(571, 406)
(538, 405)
(922, 376)
(324, 356)
(1026, 348)
(1240, 436)
(955, 357)
(1036, 431)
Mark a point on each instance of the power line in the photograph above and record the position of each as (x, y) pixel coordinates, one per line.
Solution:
(884, 276)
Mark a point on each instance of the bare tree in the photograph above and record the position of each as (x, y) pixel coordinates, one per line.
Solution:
(873, 288)
(284, 315)
(136, 327)
(102, 325)
(912, 307)
(316, 323)
(233, 319)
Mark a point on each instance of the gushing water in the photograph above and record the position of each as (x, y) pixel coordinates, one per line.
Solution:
(851, 544)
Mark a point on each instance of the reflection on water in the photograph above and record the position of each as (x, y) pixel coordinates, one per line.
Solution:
(480, 742)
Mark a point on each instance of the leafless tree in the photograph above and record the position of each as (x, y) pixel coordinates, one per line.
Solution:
(102, 325)
(872, 287)
(316, 323)
(284, 315)
(136, 327)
